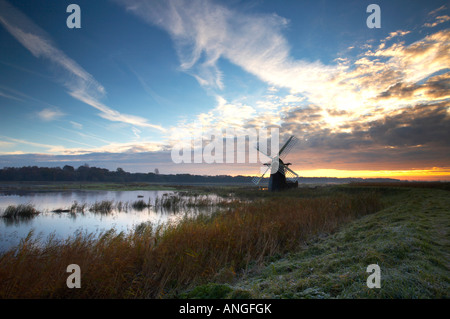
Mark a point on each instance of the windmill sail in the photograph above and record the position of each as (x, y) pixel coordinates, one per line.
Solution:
(287, 147)
(256, 179)
(291, 175)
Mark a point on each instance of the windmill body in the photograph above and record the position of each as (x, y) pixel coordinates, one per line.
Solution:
(281, 176)
(278, 181)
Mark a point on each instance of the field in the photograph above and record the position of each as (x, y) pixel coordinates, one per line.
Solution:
(303, 243)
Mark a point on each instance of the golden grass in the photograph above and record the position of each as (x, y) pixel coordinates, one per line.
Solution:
(154, 262)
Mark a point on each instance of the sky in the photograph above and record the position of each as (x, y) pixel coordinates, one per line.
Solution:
(139, 77)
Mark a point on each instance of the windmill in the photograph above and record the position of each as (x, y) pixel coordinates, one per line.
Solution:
(281, 176)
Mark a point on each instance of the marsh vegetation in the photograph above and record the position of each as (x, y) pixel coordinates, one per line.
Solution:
(22, 211)
(304, 243)
(154, 261)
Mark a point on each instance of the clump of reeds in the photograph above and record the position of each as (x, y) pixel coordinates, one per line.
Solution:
(21, 211)
(103, 207)
(74, 208)
(122, 206)
(78, 208)
(140, 205)
(184, 200)
(169, 202)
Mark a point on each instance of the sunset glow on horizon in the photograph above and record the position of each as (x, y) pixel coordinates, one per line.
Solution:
(437, 174)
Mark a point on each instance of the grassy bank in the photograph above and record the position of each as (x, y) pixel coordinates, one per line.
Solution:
(163, 262)
(409, 240)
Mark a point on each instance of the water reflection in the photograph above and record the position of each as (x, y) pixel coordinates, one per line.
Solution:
(64, 213)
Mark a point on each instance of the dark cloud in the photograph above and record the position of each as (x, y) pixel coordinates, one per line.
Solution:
(302, 119)
(416, 137)
(421, 125)
(435, 87)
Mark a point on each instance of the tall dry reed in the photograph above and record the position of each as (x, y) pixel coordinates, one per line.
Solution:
(152, 262)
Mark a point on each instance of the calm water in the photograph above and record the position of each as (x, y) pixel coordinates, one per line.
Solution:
(64, 225)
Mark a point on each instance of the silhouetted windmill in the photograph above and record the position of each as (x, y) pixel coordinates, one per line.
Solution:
(281, 176)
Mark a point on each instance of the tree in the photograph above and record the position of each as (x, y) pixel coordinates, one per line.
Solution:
(68, 168)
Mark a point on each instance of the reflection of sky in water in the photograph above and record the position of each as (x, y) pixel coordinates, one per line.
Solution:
(66, 224)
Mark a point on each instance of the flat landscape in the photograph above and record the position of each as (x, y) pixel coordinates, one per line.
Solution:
(223, 150)
(310, 242)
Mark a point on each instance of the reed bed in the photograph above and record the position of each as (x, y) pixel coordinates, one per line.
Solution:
(103, 207)
(154, 262)
(166, 202)
(140, 205)
(122, 206)
(22, 211)
(78, 208)
(182, 200)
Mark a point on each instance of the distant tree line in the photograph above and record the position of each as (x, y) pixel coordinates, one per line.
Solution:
(85, 173)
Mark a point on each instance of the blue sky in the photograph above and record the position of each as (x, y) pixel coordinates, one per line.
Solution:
(118, 91)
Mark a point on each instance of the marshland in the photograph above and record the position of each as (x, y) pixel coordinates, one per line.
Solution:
(62, 212)
(231, 242)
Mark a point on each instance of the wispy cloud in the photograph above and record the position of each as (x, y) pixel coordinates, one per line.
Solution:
(49, 114)
(394, 34)
(76, 125)
(111, 147)
(51, 148)
(410, 60)
(443, 7)
(439, 20)
(22, 97)
(11, 97)
(4, 144)
(204, 32)
(113, 115)
(80, 84)
(136, 132)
